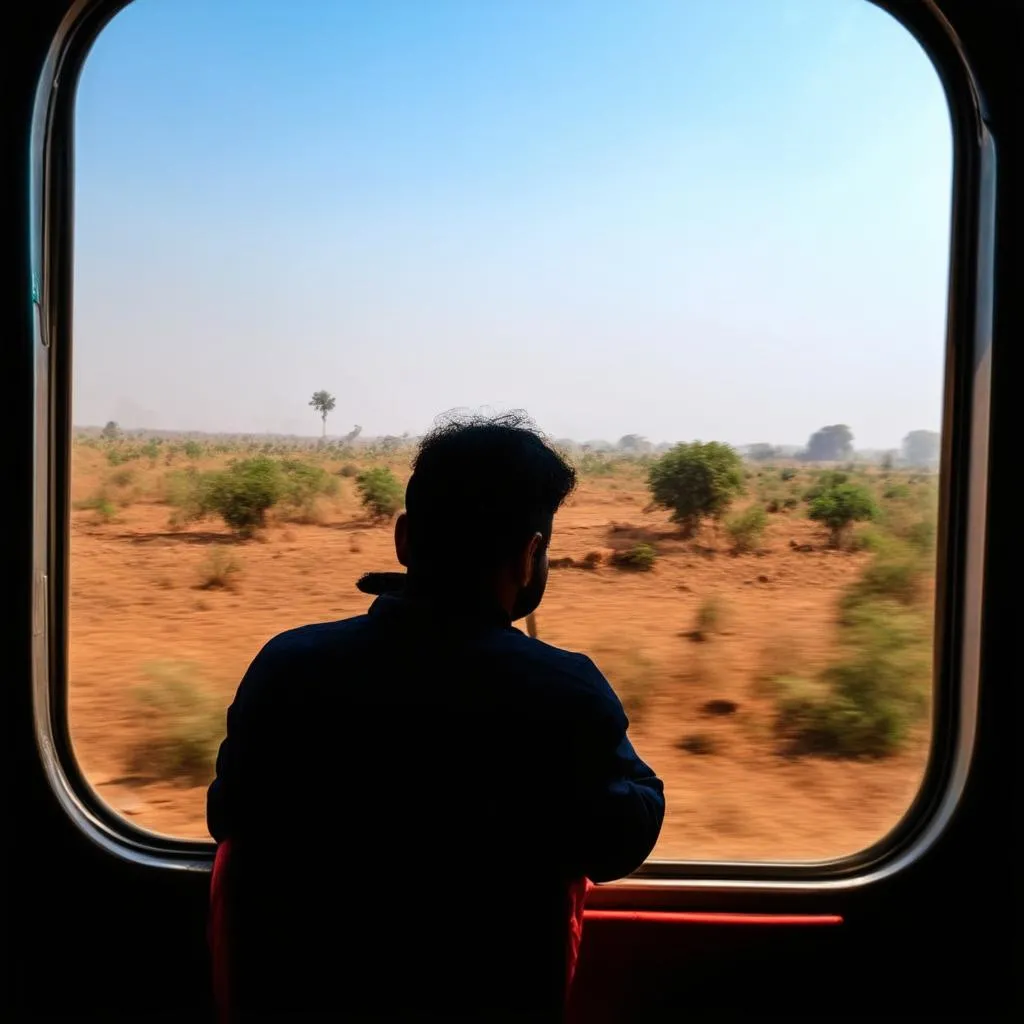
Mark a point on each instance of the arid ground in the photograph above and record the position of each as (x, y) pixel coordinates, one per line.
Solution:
(142, 613)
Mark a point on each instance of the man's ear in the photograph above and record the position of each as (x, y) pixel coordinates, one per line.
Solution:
(527, 561)
(402, 540)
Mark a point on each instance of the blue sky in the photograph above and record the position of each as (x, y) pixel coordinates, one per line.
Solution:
(714, 219)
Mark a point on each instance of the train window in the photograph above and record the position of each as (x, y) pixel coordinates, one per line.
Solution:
(704, 241)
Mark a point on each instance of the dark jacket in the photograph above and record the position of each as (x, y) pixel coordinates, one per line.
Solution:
(408, 794)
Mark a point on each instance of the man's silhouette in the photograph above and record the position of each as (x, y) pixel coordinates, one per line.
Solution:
(410, 794)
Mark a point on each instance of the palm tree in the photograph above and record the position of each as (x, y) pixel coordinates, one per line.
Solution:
(323, 402)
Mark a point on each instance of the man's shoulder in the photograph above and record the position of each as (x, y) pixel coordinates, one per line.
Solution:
(314, 638)
(571, 672)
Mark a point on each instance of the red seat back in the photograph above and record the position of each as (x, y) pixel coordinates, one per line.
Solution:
(219, 930)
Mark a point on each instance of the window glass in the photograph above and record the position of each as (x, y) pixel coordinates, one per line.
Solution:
(303, 231)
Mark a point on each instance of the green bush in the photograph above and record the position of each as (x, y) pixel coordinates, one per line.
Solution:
(243, 493)
(181, 489)
(896, 492)
(921, 536)
(863, 704)
(101, 504)
(825, 480)
(119, 456)
(303, 484)
(598, 464)
(349, 470)
(895, 573)
(696, 481)
(181, 726)
(380, 492)
(787, 474)
(745, 529)
(639, 558)
(839, 506)
(192, 449)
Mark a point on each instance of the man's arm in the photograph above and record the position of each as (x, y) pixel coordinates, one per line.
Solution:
(242, 792)
(622, 804)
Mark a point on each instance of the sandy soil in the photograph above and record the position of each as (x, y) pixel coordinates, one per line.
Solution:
(135, 600)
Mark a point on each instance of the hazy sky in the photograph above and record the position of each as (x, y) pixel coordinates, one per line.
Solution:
(714, 219)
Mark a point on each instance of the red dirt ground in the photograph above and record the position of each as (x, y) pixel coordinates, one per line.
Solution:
(134, 601)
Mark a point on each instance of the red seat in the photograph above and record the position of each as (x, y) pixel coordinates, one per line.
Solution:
(218, 930)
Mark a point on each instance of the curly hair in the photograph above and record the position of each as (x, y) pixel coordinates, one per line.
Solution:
(485, 484)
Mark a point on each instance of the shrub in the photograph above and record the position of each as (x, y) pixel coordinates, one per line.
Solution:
(746, 528)
(219, 569)
(772, 506)
(787, 474)
(597, 464)
(243, 493)
(838, 507)
(349, 470)
(696, 481)
(192, 449)
(709, 616)
(119, 456)
(182, 727)
(896, 492)
(182, 490)
(591, 560)
(895, 573)
(120, 487)
(921, 536)
(380, 492)
(122, 478)
(825, 480)
(869, 539)
(864, 703)
(639, 558)
(303, 484)
(101, 504)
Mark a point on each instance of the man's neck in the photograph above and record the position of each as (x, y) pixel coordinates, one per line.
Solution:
(456, 597)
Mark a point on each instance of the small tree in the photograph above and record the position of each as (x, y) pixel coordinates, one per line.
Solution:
(324, 403)
(240, 494)
(111, 432)
(921, 448)
(639, 558)
(830, 444)
(746, 528)
(696, 481)
(380, 492)
(839, 507)
(634, 443)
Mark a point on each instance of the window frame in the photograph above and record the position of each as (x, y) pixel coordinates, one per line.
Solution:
(963, 488)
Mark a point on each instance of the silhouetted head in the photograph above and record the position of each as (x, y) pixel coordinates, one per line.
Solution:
(479, 509)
